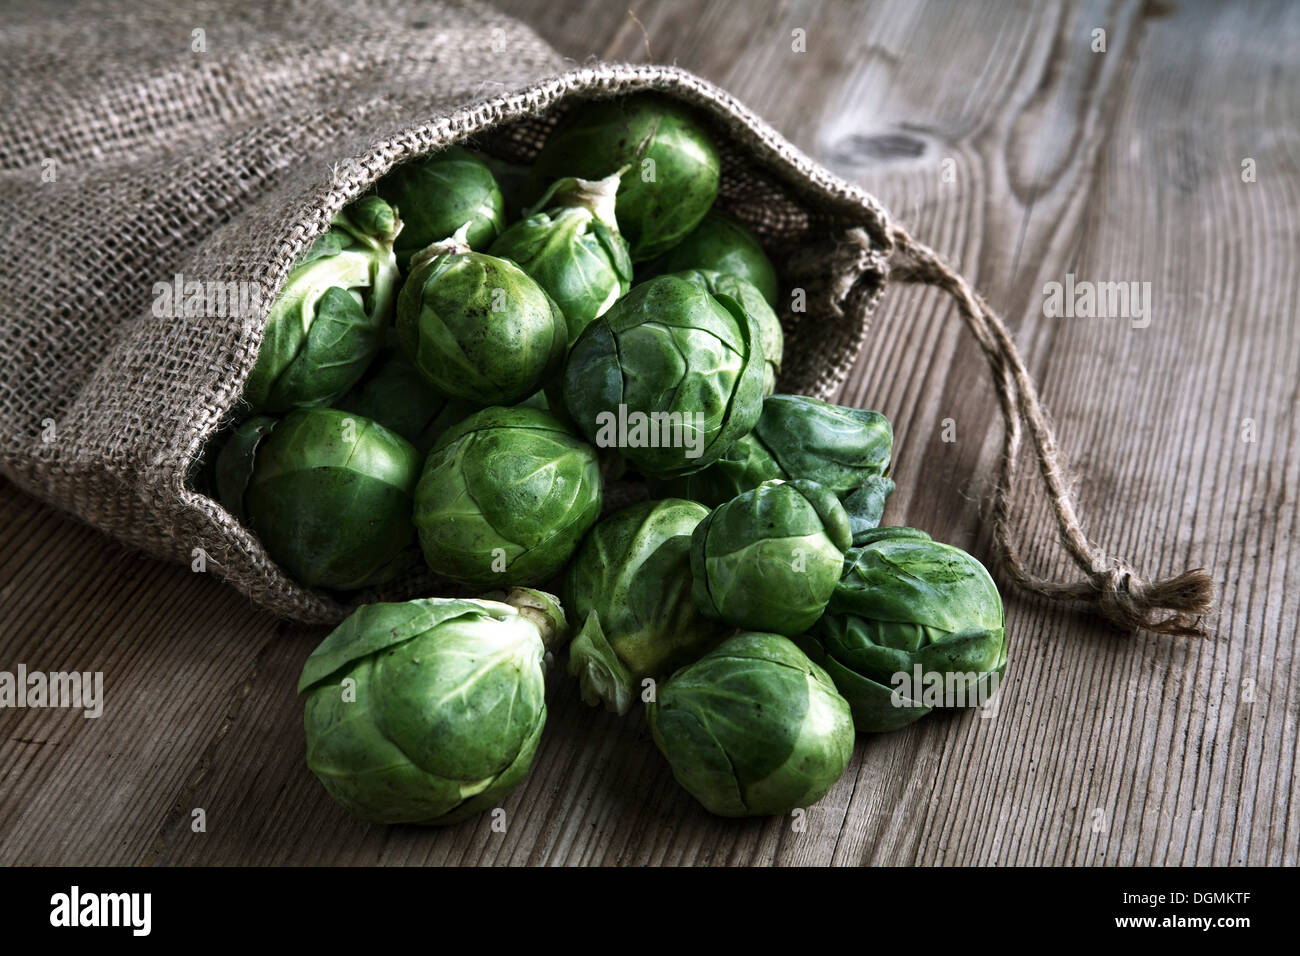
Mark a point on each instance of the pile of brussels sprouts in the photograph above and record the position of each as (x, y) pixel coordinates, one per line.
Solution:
(437, 383)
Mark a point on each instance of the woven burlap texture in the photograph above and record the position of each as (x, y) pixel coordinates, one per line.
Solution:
(143, 141)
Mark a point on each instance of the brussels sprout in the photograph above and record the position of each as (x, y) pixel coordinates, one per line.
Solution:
(770, 558)
(672, 165)
(570, 246)
(477, 327)
(866, 505)
(905, 607)
(753, 727)
(328, 493)
(505, 498)
(395, 394)
(327, 323)
(723, 245)
(512, 178)
(671, 375)
(752, 303)
(234, 462)
(630, 587)
(798, 437)
(430, 711)
(537, 400)
(438, 194)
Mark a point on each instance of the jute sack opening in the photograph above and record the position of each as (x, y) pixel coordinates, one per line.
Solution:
(174, 164)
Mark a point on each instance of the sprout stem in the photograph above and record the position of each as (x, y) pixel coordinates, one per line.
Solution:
(457, 244)
(596, 195)
(542, 609)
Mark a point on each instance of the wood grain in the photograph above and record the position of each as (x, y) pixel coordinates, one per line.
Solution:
(1106, 749)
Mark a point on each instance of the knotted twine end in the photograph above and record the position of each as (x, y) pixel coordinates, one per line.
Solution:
(1110, 588)
(1176, 605)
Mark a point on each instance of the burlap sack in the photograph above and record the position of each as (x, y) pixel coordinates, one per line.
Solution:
(143, 142)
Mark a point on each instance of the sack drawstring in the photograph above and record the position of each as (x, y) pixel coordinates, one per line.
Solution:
(1110, 587)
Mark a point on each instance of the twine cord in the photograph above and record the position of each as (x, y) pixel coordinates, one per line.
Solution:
(1110, 586)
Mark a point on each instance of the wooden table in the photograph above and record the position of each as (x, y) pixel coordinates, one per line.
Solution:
(1002, 138)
